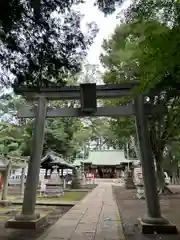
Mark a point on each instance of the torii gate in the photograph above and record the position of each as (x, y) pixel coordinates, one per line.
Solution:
(88, 95)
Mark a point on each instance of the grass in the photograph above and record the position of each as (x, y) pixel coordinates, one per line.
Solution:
(4, 217)
(9, 198)
(7, 213)
(68, 196)
(4, 209)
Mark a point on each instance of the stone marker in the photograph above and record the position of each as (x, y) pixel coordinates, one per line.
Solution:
(140, 192)
(76, 179)
(129, 183)
(138, 180)
(54, 187)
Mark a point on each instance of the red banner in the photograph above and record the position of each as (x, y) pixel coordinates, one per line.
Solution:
(90, 175)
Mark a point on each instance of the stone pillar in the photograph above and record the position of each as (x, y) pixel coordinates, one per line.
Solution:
(29, 201)
(76, 179)
(148, 168)
(82, 173)
(22, 182)
(5, 175)
(46, 173)
(64, 183)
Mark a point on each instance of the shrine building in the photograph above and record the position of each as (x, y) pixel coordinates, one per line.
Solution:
(105, 163)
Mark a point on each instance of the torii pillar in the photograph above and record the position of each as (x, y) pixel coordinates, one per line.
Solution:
(29, 201)
(153, 222)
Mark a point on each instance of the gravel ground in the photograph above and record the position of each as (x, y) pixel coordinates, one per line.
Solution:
(131, 208)
(10, 234)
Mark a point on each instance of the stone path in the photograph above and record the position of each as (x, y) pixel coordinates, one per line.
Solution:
(96, 217)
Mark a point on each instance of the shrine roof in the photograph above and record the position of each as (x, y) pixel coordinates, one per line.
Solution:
(107, 157)
(104, 158)
(52, 159)
(77, 162)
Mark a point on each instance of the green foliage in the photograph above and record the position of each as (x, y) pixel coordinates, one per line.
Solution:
(145, 48)
(41, 42)
(165, 11)
(60, 135)
(140, 51)
(66, 136)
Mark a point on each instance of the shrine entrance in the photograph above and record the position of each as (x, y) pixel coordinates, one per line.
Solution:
(88, 95)
(106, 172)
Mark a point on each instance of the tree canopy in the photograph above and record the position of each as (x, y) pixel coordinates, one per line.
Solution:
(145, 48)
(41, 42)
(67, 136)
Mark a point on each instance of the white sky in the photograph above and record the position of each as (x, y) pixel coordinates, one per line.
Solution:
(106, 26)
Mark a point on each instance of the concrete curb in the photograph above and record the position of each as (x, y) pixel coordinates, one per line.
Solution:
(68, 203)
(121, 228)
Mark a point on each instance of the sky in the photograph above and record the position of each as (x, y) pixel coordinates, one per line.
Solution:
(106, 27)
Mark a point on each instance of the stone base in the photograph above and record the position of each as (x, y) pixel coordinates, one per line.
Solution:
(33, 224)
(129, 184)
(140, 192)
(150, 228)
(5, 203)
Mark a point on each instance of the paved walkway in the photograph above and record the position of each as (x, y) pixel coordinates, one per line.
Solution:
(96, 217)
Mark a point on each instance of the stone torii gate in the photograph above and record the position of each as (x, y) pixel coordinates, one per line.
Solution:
(88, 95)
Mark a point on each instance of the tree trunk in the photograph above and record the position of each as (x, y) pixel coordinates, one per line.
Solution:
(173, 178)
(160, 176)
(162, 188)
(135, 144)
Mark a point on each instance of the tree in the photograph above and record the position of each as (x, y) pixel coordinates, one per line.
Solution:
(124, 131)
(165, 51)
(100, 133)
(164, 11)
(172, 160)
(16, 135)
(41, 41)
(10, 139)
(139, 51)
(90, 74)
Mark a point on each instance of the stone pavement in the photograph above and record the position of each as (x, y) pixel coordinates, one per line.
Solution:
(96, 217)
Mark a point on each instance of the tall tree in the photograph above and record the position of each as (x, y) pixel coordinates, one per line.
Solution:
(164, 11)
(139, 51)
(16, 135)
(41, 41)
(90, 73)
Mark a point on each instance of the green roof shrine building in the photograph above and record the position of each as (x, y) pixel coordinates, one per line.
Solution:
(104, 163)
